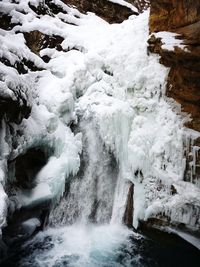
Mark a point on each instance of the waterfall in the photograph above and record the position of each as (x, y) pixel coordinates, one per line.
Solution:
(89, 195)
(112, 142)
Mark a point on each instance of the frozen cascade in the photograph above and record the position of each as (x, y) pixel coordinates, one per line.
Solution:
(100, 107)
(89, 195)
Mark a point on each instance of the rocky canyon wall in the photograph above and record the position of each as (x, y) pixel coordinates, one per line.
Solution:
(175, 35)
(181, 17)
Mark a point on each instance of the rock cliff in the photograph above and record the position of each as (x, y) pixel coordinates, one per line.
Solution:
(175, 36)
(181, 17)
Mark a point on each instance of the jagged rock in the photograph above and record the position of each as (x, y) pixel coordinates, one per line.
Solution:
(36, 41)
(111, 12)
(183, 18)
(172, 14)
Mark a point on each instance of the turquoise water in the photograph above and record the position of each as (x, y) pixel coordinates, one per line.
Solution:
(100, 246)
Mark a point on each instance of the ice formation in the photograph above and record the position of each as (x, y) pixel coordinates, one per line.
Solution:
(104, 82)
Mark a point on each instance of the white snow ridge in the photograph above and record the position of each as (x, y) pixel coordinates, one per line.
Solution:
(104, 84)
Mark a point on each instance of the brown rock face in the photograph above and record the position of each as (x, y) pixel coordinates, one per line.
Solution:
(173, 14)
(183, 85)
(111, 12)
(128, 215)
(183, 18)
(36, 41)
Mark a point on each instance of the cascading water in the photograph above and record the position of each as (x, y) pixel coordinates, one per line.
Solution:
(89, 196)
(125, 153)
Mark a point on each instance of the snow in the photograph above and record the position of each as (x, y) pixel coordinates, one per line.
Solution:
(107, 78)
(170, 40)
(3, 207)
(124, 3)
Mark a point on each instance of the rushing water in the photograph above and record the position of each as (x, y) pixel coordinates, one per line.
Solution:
(81, 230)
(89, 196)
(100, 246)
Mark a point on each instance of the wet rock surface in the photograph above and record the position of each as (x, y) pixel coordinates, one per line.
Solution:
(22, 225)
(128, 215)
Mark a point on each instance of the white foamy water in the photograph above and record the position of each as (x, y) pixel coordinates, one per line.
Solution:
(78, 246)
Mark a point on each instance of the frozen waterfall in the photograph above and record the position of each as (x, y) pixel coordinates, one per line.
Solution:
(114, 145)
(90, 194)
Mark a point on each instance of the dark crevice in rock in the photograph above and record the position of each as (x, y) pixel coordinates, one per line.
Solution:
(5, 22)
(14, 110)
(27, 166)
